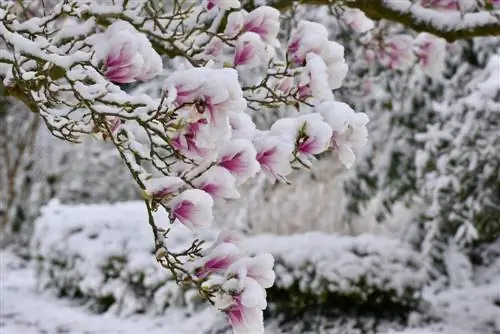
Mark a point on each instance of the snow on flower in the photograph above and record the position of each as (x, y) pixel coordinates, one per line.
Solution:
(164, 186)
(397, 52)
(218, 182)
(431, 52)
(273, 155)
(308, 37)
(222, 4)
(235, 22)
(127, 54)
(238, 156)
(218, 259)
(349, 129)
(324, 60)
(309, 132)
(192, 208)
(264, 21)
(357, 20)
(192, 140)
(258, 268)
(205, 97)
(250, 51)
(242, 125)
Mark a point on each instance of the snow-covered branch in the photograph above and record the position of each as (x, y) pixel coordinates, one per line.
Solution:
(449, 19)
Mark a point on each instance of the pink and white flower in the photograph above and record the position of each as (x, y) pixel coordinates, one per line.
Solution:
(218, 259)
(264, 21)
(238, 156)
(274, 155)
(127, 54)
(397, 52)
(357, 20)
(250, 51)
(310, 134)
(350, 134)
(259, 268)
(431, 51)
(192, 208)
(323, 59)
(163, 187)
(218, 182)
(235, 23)
(242, 125)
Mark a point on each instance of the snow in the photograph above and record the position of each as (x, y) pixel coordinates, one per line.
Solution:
(24, 311)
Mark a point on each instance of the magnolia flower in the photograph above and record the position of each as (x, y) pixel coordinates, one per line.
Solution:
(308, 37)
(310, 133)
(164, 186)
(273, 155)
(246, 320)
(218, 182)
(250, 51)
(191, 141)
(431, 51)
(264, 21)
(314, 80)
(209, 94)
(357, 20)
(309, 41)
(235, 22)
(258, 268)
(349, 129)
(218, 260)
(192, 208)
(397, 52)
(128, 55)
(238, 157)
(242, 125)
(333, 56)
(222, 4)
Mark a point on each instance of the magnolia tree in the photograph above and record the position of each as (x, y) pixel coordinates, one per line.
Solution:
(196, 144)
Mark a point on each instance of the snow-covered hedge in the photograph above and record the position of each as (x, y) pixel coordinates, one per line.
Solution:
(103, 256)
(333, 275)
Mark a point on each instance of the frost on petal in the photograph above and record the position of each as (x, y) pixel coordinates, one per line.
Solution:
(218, 182)
(253, 294)
(431, 52)
(238, 157)
(192, 208)
(163, 186)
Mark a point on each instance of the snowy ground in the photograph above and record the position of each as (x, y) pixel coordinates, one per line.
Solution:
(24, 311)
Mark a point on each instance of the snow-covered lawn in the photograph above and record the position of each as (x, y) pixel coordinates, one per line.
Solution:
(24, 311)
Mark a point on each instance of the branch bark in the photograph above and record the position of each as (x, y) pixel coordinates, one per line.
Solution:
(450, 25)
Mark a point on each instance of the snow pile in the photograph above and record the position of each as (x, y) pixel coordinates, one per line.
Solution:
(103, 256)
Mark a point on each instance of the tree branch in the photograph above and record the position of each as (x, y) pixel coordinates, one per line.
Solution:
(450, 25)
